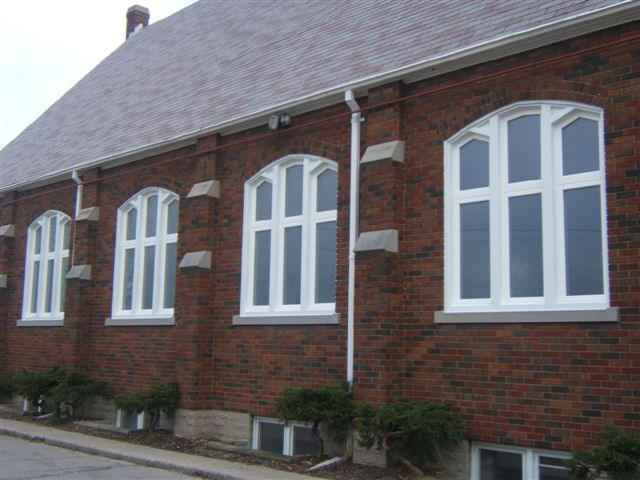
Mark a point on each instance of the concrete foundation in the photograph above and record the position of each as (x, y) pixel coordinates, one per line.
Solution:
(230, 427)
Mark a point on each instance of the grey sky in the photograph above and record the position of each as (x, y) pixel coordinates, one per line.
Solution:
(47, 46)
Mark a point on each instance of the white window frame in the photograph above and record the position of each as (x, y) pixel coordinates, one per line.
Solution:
(492, 128)
(288, 434)
(160, 241)
(275, 174)
(530, 458)
(60, 253)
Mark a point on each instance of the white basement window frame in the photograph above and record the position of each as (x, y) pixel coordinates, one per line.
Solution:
(535, 464)
(290, 432)
(47, 262)
(147, 224)
(273, 215)
(484, 196)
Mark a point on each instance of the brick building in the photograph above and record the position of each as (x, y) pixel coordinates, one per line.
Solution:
(187, 212)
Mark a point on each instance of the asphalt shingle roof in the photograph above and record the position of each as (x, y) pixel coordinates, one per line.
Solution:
(215, 61)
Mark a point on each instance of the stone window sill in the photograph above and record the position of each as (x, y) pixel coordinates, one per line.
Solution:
(48, 322)
(331, 319)
(555, 316)
(140, 322)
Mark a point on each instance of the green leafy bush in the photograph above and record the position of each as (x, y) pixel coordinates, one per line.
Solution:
(619, 457)
(332, 406)
(411, 431)
(7, 385)
(162, 398)
(73, 390)
(34, 386)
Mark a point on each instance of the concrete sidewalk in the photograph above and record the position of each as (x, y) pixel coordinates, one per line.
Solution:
(152, 457)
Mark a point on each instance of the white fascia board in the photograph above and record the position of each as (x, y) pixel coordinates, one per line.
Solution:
(553, 32)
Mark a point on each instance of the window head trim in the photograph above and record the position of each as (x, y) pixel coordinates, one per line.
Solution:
(275, 174)
(46, 263)
(554, 116)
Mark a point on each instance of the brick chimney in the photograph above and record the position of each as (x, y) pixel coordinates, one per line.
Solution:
(137, 18)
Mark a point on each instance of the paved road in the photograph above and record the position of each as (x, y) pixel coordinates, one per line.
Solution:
(24, 460)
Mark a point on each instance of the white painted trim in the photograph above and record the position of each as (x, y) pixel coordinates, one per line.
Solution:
(160, 241)
(553, 116)
(275, 174)
(549, 33)
(328, 319)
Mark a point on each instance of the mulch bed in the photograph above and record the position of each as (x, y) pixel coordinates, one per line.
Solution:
(164, 439)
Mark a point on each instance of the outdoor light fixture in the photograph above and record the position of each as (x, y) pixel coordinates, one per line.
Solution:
(279, 121)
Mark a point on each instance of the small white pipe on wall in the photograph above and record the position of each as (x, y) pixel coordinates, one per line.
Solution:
(76, 178)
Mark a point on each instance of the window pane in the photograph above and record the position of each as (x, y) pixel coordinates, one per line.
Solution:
(580, 147)
(583, 241)
(474, 165)
(172, 217)
(152, 215)
(525, 243)
(38, 243)
(127, 294)
(34, 286)
(327, 191)
(132, 220)
(292, 265)
(170, 275)
(474, 250)
(67, 236)
(303, 442)
(262, 268)
(49, 287)
(263, 201)
(552, 468)
(293, 193)
(63, 282)
(524, 148)
(496, 465)
(53, 227)
(149, 276)
(326, 262)
(271, 437)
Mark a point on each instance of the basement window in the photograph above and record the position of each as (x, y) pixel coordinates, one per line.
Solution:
(493, 462)
(275, 436)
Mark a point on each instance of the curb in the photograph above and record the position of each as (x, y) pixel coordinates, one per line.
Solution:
(139, 459)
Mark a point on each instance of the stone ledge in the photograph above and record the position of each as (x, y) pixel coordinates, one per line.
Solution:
(140, 322)
(210, 188)
(8, 231)
(90, 213)
(332, 319)
(4, 280)
(81, 272)
(555, 316)
(196, 260)
(378, 240)
(40, 323)
(393, 150)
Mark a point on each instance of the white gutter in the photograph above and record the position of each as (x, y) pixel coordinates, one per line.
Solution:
(354, 203)
(509, 44)
(76, 178)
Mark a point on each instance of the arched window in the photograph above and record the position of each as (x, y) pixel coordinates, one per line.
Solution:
(289, 246)
(525, 211)
(145, 259)
(47, 262)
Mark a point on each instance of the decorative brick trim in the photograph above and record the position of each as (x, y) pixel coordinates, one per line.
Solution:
(90, 213)
(210, 188)
(81, 272)
(196, 260)
(8, 231)
(377, 240)
(393, 150)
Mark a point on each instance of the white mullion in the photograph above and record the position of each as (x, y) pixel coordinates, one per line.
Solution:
(276, 259)
(305, 237)
(497, 175)
(157, 302)
(57, 267)
(27, 297)
(42, 279)
(249, 235)
(138, 263)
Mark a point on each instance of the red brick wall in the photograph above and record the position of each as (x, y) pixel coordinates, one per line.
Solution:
(535, 384)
